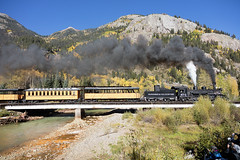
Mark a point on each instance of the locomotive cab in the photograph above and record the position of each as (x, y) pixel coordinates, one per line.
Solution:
(181, 93)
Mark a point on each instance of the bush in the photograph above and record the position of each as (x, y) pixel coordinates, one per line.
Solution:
(127, 115)
(235, 113)
(201, 110)
(160, 115)
(153, 116)
(220, 111)
(171, 123)
(213, 136)
(145, 116)
(184, 116)
(4, 113)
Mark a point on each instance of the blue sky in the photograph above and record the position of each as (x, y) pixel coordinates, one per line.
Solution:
(48, 16)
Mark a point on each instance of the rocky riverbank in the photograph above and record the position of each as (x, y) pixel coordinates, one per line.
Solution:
(80, 139)
(16, 119)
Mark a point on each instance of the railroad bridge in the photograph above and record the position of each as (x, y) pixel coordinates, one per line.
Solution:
(79, 107)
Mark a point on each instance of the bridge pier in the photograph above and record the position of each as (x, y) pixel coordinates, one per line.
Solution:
(79, 113)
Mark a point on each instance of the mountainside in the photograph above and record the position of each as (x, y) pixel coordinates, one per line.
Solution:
(148, 25)
(218, 45)
(224, 40)
(12, 27)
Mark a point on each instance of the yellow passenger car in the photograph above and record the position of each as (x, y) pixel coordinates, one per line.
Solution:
(111, 93)
(11, 95)
(52, 94)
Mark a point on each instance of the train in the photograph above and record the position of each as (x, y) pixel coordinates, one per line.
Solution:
(181, 93)
(106, 93)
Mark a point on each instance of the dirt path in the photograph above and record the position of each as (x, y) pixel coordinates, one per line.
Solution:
(98, 139)
(80, 139)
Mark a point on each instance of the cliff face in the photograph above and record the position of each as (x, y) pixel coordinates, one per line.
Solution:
(223, 40)
(148, 25)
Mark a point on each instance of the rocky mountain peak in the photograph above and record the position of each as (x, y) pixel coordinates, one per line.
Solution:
(11, 27)
(157, 23)
(69, 28)
(5, 15)
(150, 24)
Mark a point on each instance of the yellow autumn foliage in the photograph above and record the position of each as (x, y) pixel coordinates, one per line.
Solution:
(229, 86)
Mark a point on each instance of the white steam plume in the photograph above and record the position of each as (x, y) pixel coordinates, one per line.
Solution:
(192, 72)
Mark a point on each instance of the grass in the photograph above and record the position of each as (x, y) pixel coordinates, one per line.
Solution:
(170, 134)
(155, 141)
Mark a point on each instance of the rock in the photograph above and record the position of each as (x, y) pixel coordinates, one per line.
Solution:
(150, 24)
(223, 40)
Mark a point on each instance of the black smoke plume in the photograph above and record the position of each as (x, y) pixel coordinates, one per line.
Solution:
(104, 54)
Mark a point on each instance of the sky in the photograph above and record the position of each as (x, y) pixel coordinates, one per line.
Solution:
(48, 16)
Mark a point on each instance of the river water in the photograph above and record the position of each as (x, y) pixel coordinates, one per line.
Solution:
(15, 134)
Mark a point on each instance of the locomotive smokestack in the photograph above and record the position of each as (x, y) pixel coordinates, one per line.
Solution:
(195, 88)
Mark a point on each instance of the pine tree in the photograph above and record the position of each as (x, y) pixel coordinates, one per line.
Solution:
(57, 82)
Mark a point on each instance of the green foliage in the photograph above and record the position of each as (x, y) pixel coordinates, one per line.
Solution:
(213, 136)
(229, 86)
(68, 38)
(173, 72)
(65, 83)
(58, 81)
(201, 110)
(4, 113)
(220, 112)
(27, 40)
(136, 146)
(165, 133)
(171, 123)
(48, 81)
(168, 117)
(235, 113)
(184, 116)
(3, 86)
(86, 81)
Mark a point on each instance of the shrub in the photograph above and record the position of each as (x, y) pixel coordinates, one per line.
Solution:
(184, 116)
(171, 123)
(145, 116)
(153, 115)
(127, 115)
(235, 113)
(220, 111)
(4, 113)
(213, 136)
(201, 110)
(160, 115)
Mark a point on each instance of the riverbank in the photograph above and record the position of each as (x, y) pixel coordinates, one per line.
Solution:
(17, 117)
(89, 138)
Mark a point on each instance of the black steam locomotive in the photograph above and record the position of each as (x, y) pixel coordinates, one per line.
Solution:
(181, 93)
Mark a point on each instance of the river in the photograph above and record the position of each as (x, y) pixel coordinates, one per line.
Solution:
(15, 134)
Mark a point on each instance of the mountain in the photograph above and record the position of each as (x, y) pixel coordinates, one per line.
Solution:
(148, 25)
(13, 32)
(220, 46)
(224, 40)
(13, 28)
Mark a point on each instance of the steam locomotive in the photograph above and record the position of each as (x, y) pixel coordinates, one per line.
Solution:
(102, 93)
(181, 93)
